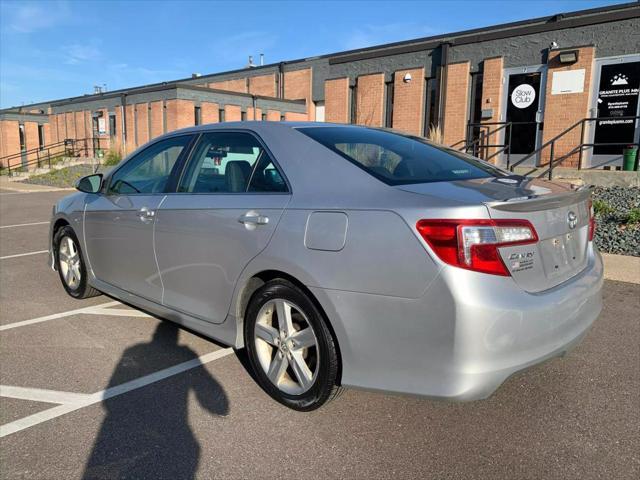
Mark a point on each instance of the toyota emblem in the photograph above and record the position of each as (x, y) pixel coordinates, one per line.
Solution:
(572, 220)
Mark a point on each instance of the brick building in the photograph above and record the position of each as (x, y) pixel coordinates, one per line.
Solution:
(502, 91)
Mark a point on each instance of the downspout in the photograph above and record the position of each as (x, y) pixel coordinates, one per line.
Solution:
(281, 80)
(123, 103)
(442, 84)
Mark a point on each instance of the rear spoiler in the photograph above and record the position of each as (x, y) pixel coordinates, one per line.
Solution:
(542, 202)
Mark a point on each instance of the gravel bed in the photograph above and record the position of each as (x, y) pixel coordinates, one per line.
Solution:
(613, 234)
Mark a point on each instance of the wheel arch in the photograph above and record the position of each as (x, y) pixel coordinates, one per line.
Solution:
(257, 280)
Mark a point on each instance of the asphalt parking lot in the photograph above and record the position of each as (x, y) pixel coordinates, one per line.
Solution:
(96, 389)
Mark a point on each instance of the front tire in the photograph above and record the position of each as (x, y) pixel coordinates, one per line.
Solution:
(290, 348)
(70, 264)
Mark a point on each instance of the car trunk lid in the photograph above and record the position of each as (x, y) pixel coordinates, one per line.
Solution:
(558, 212)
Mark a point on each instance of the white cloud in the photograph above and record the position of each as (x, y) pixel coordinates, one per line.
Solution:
(29, 17)
(76, 53)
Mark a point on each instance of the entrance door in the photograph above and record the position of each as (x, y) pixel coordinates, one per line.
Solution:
(615, 103)
(523, 105)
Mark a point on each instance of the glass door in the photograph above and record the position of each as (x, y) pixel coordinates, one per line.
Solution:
(523, 106)
(615, 104)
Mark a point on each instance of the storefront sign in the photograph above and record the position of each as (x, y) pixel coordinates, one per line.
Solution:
(523, 96)
(570, 81)
(617, 98)
(102, 126)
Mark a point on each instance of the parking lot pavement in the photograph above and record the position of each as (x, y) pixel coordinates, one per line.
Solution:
(111, 392)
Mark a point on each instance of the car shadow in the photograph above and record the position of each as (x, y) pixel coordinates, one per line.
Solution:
(146, 432)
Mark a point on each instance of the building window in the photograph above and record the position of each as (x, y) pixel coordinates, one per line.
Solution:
(243, 116)
(221, 116)
(197, 115)
(430, 111)
(23, 145)
(112, 125)
(388, 120)
(475, 115)
(263, 117)
(40, 137)
(282, 117)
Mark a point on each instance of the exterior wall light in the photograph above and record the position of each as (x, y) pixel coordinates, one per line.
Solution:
(567, 58)
(407, 78)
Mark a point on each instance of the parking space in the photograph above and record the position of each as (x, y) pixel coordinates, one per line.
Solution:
(96, 389)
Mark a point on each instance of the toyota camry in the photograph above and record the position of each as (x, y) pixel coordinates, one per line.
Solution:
(339, 255)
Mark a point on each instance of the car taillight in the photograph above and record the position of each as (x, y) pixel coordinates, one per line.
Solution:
(592, 221)
(474, 244)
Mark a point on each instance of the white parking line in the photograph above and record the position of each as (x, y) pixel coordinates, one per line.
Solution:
(23, 225)
(85, 401)
(24, 254)
(41, 395)
(54, 316)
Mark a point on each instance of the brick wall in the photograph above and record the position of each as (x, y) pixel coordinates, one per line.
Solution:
(237, 85)
(155, 112)
(408, 101)
(232, 113)
(273, 116)
(142, 123)
(131, 121)
(562, 111)
(9, 140)
(492, 71)
(336, 100)
(295, 117)
(209, 112)
(456, 106)
(297, 86)
(370, 101)
(263, 85)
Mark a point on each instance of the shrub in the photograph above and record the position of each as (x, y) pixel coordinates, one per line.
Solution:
(600, 207)
(112, 158)
(633, 216)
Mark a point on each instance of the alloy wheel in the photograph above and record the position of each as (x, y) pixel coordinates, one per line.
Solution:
(286, 346)
(69, 262)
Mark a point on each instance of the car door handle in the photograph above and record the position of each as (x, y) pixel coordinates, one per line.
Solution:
(146, 215)
(253, 218)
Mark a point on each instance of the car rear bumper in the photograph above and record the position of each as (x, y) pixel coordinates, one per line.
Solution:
(467, 334)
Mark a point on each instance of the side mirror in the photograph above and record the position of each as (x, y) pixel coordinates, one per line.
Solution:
(90, 183)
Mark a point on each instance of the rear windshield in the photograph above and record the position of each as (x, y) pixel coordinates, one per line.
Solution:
(400, 159)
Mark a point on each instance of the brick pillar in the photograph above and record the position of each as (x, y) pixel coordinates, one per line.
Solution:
(155, 112)
(336, 100)
(408, 101)
(370, 102)
(297, 86)
(456, 105)
(563, 110)
(142, 123)
(492, 99)
(232, 113)
(210, 112)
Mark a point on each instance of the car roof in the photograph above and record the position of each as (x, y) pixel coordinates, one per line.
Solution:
(257, 126)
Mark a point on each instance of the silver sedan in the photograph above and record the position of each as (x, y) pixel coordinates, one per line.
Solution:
(339, 256)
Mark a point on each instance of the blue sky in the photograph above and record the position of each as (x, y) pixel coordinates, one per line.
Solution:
(56, 49)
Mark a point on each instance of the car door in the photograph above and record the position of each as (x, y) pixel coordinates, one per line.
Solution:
(118, 223)
(228, 203)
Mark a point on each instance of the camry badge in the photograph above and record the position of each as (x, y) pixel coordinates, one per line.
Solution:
(572, 219)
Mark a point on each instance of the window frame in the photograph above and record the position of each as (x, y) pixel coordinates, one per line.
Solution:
(171, 184)
(186, 162)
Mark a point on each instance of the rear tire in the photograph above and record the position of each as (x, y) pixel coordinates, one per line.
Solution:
(294, 360)
(71, 265)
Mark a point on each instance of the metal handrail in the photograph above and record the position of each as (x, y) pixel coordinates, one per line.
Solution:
(46, 153)
(554, 162)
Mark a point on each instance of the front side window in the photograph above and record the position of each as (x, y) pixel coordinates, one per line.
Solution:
(149, 171)
(400, 159)
(230, 162)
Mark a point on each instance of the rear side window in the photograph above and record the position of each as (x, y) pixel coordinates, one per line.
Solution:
(399, 159)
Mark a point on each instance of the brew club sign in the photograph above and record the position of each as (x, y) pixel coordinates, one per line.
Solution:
(523, 96)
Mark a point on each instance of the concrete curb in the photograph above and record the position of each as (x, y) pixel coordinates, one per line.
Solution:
(621, 268)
